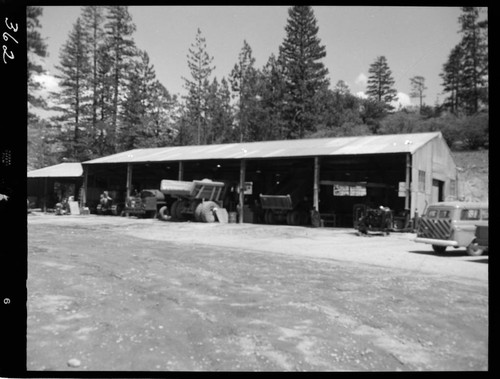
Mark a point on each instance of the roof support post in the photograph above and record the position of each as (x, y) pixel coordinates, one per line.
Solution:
(45, 194)
(129, 184)
(242, 190)
(407, 183)
(83, 199)
(181, 171)
(316, 184)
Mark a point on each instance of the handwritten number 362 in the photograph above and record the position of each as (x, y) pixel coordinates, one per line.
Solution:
(6, 37)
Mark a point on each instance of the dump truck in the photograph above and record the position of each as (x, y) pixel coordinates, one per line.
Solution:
(287, 203)
(199, 200)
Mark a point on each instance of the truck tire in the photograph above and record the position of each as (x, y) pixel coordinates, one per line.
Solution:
(270, 218)
(293, 218)
(173, 209)
(164, 214)
(179, 206)
(439, 249)
(197, 212)
(207, 211)
(474, 250)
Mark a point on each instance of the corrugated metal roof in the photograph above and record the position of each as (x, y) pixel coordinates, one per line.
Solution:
(62, 170)
(379, 144)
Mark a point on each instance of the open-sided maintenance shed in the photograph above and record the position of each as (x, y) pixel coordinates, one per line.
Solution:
(49, 185)
(331, 175)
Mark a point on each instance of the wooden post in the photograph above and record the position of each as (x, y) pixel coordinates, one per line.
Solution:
(83, 200)
(181, 171)
(45, 194)
(129, 184)
(242, 189)
(316, 184)
(408, 175)
(129, 180)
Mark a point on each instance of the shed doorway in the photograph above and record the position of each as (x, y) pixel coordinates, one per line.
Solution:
(437, 191)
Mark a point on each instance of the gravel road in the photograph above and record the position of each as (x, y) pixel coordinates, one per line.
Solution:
(125, 294)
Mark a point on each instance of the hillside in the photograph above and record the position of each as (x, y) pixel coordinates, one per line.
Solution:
(473, 179)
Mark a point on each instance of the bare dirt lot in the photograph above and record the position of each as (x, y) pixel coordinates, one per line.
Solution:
(122, 294)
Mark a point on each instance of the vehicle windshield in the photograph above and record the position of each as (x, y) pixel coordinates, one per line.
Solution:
(470, 214)
(439, 213)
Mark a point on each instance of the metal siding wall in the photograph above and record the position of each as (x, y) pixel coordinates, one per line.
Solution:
(435, 159)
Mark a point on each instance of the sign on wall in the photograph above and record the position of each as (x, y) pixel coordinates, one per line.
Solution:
(348, 190)
(340, 190)
(248, 188)
(402, 189)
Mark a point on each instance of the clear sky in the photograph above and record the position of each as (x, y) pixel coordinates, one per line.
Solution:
(415, 40)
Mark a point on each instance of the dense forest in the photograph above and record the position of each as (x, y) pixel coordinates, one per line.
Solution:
(111, 101)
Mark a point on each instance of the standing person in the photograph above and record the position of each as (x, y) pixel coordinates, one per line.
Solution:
(105, 199)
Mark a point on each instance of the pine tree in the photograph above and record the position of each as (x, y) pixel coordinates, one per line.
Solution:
(475, 66)
(338, 110)
(465, 73)
(39, 133)
(93, 19)
(380, 83)
(74, 68)
(104, 132)
(305, 74)
(119, 29)
(135, 129)
(36, 49)
(219, 112)
(164, 109)
(244, 83)
(452, 76)
(272, 99)
(200, 67)
(417, 88)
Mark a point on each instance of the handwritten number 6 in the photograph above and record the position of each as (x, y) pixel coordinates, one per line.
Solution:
(11, 27)
(6, 35)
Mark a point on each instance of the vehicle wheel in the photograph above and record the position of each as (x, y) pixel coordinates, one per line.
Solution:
(179, 206)
(295, 218)
(266, 217)
(163, 214)
(207, 211)
(474, 250)
(197, 213)
(270, 217)
(116, 210)
(303, 218)
(173, 209)
(439, 249)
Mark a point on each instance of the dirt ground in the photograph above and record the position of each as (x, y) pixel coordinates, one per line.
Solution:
(123, 294)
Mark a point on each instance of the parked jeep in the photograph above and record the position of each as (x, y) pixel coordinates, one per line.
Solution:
(480, 243)
(452, 224)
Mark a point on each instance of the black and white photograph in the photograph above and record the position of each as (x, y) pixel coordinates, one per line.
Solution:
(254, 188)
